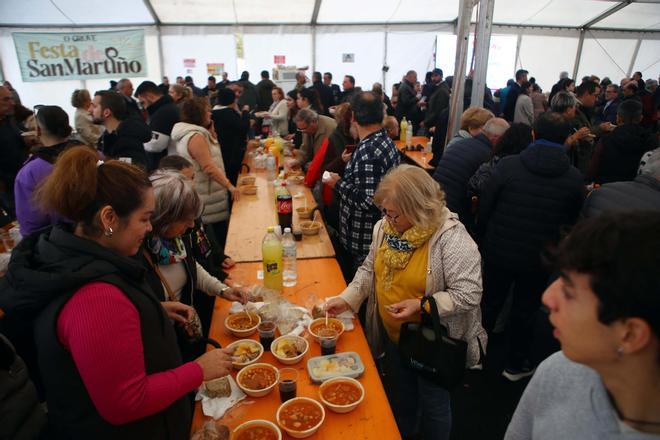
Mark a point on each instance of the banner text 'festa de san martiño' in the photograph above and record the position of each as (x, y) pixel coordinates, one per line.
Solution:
(80, 55)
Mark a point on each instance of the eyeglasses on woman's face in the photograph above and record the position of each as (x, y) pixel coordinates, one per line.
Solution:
(391, 215)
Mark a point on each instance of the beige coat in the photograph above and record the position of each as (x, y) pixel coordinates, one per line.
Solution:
(88, 131)
(213, 195)
(453, 278)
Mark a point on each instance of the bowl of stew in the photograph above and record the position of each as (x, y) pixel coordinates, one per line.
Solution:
(318, 325)
(289, 349)
(300, 417)
(257, 380)
(242, 324)
(257, 430)
(341, 394)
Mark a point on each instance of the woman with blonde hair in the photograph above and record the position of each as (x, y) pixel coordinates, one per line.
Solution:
(419, 249)
(179, 93)
(472, 123)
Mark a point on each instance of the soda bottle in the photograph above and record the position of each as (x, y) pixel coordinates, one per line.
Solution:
(289, 272)
(409, 135)
(403, 130)
(284, 206)
(271, 254)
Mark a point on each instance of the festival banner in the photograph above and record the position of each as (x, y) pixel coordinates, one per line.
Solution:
(80, 55)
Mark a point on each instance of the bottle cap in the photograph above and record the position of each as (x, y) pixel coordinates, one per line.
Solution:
(271, 228)
(287, 230)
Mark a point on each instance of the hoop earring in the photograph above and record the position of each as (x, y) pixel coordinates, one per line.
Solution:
(108, 233)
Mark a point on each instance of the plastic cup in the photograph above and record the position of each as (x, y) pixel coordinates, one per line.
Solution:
(328, 341)
(288, 383)
(266, 333)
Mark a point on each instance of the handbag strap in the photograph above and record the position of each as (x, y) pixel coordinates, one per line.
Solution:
(168, 289)
(438, 328)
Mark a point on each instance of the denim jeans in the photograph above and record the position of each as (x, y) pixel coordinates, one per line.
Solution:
(419, 406)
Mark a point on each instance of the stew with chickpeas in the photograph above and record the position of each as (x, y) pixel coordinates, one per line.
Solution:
(341, 393)
(300, 416)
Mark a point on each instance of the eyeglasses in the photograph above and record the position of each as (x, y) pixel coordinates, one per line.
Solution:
(386, 213)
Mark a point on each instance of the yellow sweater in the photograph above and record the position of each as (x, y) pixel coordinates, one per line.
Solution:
(409, 283)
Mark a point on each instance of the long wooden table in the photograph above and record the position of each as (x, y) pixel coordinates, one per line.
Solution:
(372, 419)
(418, 158)
(252, 214)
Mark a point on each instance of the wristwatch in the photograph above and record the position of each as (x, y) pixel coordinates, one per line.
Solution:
(224, 290)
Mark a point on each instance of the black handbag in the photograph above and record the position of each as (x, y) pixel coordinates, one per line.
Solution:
(427, 348)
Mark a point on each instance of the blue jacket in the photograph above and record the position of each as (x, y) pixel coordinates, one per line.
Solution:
(455, 168)
(527, 201)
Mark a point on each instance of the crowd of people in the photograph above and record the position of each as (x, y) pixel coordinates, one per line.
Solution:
(542, 212)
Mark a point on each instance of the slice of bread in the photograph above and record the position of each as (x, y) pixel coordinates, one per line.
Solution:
(218, 387)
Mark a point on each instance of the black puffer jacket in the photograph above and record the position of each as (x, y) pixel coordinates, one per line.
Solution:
(21, 415)
(127, 141)
(641, 194)
(618, 153)
(455, 168)
(529, 198)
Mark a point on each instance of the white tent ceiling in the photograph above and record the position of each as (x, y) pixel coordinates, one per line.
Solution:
(637, 15)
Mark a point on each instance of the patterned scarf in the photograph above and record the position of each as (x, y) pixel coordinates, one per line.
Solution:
(397, 249)
(167, 251)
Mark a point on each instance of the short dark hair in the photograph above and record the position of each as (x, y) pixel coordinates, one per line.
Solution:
(350, 79)
(367, 108)
(619, 252)
(515, 139)
(225, 96)
(586, 88)
(148, 87)
(329, 74)
(193, 111)
(80, 97)
(552, 127)
(54, 120)
(174, 162)
(211, 78)
(188, 79)
(525, 87)
(265, 74)
(630, 111)
(520, 73)
(316, 76)
(114, 102)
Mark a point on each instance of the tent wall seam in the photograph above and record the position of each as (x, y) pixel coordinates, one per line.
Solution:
(634, 57)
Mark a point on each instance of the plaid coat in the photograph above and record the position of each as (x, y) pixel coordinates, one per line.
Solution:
(374, 156)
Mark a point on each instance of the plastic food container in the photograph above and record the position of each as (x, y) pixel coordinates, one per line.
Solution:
(322, 368)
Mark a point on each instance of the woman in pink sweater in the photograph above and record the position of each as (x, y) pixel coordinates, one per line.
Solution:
(106, 349)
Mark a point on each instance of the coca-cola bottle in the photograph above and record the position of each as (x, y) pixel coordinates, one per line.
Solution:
(284, 206)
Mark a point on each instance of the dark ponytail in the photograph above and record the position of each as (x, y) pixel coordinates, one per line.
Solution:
(54, 120)
(78, 188)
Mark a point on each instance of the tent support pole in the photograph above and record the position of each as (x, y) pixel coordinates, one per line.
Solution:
(315, 17)
(161, 57)
(458, 85)
(634, 58)
(517, 64)
(578, 55)
(484, 28)
(385, 61)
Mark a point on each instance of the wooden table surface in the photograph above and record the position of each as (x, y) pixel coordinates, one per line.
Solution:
(252, 214)
(419, 158)
(372, 419)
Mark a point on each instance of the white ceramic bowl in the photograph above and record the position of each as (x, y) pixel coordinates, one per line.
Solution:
(243, 333)
(300, 434)
(262, 392)
(239, 365)
(239, 428)
(313, 323)
(293, 360)
(341, 408)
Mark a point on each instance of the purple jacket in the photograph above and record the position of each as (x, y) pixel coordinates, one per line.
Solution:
(30, 217)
